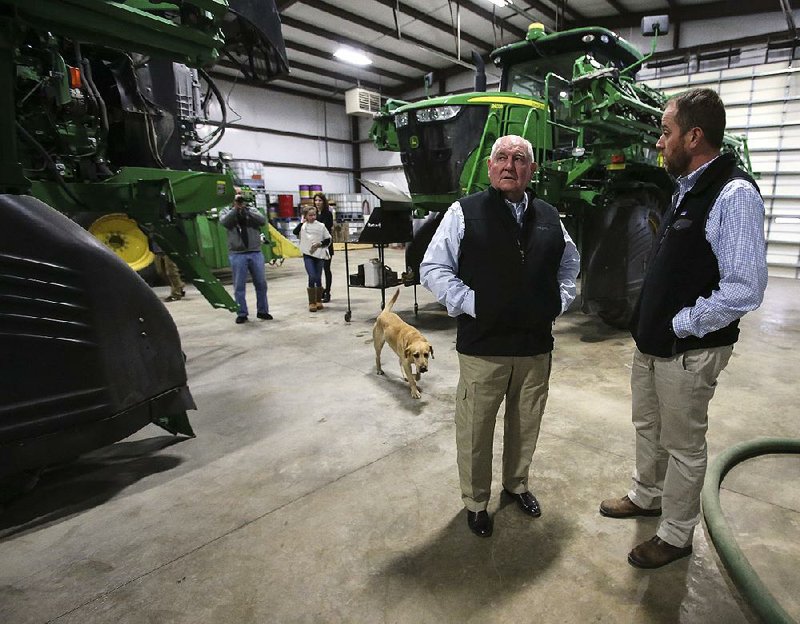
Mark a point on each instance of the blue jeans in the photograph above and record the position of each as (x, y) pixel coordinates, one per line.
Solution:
(241, 264)
(314, 270)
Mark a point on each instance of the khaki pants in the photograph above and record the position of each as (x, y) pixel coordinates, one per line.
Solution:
(670, 415)
(482, 385)
(166, 267)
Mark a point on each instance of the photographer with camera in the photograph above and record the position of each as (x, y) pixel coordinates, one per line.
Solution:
(244, 224)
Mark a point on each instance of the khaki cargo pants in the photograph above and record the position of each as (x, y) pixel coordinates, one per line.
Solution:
(482, 385)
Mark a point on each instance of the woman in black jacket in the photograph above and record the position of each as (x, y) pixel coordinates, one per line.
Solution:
(325, 216)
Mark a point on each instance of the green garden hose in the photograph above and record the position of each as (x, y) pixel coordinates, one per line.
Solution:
(741, 572)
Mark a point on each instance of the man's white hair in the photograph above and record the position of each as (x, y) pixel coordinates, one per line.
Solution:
(513, 138)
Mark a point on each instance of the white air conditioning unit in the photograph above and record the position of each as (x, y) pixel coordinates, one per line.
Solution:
(361, 102)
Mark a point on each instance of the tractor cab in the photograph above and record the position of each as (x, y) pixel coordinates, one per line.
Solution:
(526, 64)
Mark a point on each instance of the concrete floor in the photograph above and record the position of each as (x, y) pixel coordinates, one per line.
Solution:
(316, 491)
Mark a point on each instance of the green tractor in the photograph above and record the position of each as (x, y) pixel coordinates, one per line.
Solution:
(572, 94)
(100, 103)
(108, 99)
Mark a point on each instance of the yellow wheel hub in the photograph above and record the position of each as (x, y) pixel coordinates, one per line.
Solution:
(122, 235)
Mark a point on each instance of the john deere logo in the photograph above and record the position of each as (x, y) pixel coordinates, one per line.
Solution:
(413, 142)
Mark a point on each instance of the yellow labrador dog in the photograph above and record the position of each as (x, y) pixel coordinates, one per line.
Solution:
(409, 345)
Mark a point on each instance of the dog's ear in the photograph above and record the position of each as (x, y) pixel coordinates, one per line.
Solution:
(407, 352)
(431, 346)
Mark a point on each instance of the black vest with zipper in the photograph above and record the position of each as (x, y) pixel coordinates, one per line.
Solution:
(682, 268)
(513, 271)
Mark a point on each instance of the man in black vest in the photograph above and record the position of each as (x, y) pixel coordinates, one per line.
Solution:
(707, 269)
(502, 263)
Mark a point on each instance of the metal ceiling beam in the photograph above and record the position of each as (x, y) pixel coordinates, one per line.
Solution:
(562, 9)
(685, 13)
(330, 88)
(417, 82)
(766, 39)
(570, 9)
(524, 11)
(377, 27)
(351, 79)
(327, 34)
(619, 8)
(311, 84)
(282, 5)
(273, 87)
(487, 15)
(432, 21)
(787, 12)
(676, 25)
(541, 7)
(299, 47)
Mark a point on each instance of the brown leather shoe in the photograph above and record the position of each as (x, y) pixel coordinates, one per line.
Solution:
(655, 553)
(625, 508)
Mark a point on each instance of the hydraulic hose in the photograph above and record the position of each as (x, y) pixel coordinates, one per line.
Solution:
(49, 164)
(741, 572)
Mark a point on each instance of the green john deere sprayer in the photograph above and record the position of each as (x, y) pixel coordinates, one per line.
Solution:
(100, 103)
(572, 94)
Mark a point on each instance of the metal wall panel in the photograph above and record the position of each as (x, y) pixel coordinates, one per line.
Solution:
(763, 103)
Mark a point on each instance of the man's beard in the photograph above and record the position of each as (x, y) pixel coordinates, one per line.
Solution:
(678, 163)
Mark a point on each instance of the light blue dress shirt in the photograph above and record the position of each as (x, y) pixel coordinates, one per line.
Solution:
(439, 268)
(735, 231)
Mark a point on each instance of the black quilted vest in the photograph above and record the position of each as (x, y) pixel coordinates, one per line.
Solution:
(512, 270)
(682, 267)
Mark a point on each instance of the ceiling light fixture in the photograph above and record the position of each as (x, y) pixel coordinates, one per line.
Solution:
(354, 57)
(500, 3)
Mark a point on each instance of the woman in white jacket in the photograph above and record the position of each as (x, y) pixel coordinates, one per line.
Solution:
(314, 242)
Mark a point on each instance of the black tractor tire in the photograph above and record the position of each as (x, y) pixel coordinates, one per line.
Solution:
(415, 250)
(617, 243)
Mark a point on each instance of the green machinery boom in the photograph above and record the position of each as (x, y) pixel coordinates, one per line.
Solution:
(100, 103)
(572, 94)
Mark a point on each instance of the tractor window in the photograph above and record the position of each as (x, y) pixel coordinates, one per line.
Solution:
(527, 78)
(524, 81)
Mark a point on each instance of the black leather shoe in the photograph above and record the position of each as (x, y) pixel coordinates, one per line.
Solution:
(479, 523)
(264, 316)
(241, 319)
(527, 503)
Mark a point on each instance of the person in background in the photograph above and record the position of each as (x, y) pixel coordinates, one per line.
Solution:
(169, 270)
(244, 253)
(707, 269)
(325, 217)
(315, 239)
(505, 267)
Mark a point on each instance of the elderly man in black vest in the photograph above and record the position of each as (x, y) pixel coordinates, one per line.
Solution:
(707, 269)
(503, 264)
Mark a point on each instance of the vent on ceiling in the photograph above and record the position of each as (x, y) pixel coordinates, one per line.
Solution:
(361, 102)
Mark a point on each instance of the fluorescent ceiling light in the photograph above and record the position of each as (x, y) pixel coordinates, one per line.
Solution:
(500, 3)
(349, 55)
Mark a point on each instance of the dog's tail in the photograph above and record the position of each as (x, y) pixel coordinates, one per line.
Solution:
(389, 305)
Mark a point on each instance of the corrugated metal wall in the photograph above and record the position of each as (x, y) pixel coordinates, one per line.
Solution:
(763, 103)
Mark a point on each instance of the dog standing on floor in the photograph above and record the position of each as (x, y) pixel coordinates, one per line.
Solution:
(409, 345)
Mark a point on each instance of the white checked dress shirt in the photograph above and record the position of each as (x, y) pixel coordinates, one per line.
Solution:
(735, 231)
